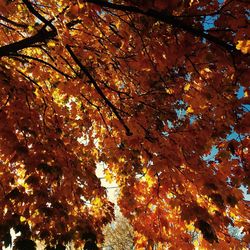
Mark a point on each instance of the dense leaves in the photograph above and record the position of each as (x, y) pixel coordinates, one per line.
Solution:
(156, 91)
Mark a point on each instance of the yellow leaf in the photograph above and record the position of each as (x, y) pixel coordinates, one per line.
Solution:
(187, 87)
(97, 202)
(30, 28)
(121, 160)
(233, 215)
(51, 44)
(169, 91)
(19, 7)
(36, 92)
(22, 219)
(243, 46)
(108, 176)
(149, 179)
(190, 227)
(80, 5)
(196, 243)
(190, 110)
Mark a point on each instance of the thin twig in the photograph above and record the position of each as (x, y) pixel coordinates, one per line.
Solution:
(43, 62)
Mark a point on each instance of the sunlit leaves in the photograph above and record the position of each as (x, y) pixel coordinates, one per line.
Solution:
(244, 46)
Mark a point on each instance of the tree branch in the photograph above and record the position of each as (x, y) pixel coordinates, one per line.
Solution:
(43, 62)
(41, 36)
(169, 19)
(98, 89)
(7, 20)
(38, 15)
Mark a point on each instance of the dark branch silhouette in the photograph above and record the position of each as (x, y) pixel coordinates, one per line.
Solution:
(98, 90)
(169, 19)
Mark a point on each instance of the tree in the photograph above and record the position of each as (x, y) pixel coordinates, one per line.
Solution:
(118, 235)
(150, 88)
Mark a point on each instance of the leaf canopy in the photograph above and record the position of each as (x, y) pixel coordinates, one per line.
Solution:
(157, 91)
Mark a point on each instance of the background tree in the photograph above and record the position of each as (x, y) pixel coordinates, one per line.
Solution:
(153, 89)
(118, 235)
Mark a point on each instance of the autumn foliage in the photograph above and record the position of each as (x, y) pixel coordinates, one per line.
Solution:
(157, 91)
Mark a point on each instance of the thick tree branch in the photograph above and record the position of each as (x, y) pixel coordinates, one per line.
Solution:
(41, 36)
(7, 20)
(169, 19)
(98, 89)
(37, 14)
